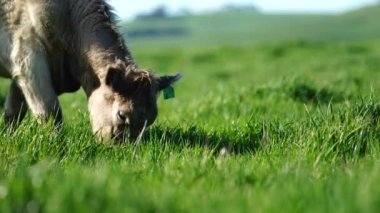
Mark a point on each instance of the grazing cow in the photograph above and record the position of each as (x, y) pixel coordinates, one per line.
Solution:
(49, 47)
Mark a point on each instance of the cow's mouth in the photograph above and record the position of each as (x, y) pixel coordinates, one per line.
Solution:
(119, 134)
(118, 137)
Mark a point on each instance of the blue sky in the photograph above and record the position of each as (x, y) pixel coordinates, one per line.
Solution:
(129, 8)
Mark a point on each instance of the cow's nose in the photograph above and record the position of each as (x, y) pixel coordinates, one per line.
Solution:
(122, 117)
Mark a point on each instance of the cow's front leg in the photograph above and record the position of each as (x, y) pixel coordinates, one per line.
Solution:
(32, 75)
(15, 105)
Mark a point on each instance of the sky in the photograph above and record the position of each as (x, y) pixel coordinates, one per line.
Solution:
(127, 9)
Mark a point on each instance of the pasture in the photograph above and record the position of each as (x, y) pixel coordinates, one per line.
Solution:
(283, 126)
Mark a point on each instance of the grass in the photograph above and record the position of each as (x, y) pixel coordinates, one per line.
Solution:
(291, 127)
(263, 122)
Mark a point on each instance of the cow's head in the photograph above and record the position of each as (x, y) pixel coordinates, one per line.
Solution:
(126, 103)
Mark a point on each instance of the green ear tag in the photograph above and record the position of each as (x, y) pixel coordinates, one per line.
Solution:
(169, 93)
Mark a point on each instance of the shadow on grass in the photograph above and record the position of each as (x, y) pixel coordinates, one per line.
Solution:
(308, 94)
(2, 101)
(233, 141)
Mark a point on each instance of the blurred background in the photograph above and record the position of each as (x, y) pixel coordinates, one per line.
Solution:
(129, 10)
(215, 22)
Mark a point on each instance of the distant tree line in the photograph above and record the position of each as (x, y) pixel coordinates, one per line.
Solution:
(161, 12)
(240, 8)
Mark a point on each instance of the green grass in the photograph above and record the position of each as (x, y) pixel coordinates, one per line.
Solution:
(286, 127)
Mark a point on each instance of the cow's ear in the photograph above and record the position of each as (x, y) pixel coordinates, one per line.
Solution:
(113, 77)
(167, 81)
(117, 80)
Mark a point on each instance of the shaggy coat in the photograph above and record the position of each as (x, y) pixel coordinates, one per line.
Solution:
(49, 47)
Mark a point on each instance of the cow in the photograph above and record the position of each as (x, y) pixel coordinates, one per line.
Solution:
(51, 47)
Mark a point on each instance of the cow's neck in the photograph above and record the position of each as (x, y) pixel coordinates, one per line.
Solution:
(101, 46)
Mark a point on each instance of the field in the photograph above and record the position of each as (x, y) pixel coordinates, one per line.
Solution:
(245, 28)
(286, 125)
